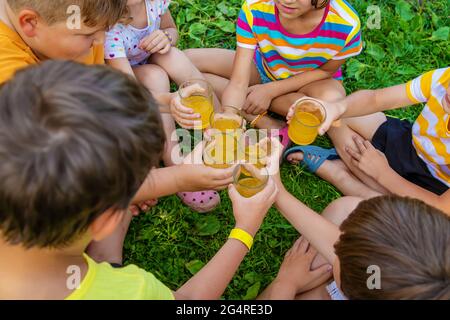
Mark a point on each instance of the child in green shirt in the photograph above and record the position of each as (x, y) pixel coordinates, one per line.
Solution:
(76, 144)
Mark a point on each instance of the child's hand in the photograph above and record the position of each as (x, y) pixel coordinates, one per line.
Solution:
(184, 116)
(250, 212)
(334, 112)
(157, 42)
(273, 160)
(198, 177)
(368, 159)
(295, 273)
(258, 100)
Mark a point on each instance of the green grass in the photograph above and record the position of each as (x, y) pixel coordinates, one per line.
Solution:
(173, 242)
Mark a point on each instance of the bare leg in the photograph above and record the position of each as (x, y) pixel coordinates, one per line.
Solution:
(339, 175)
(179, 68)
(342, 137)
(217, 71)
(156, 80)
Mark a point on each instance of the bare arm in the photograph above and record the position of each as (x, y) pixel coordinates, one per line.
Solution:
(212, 280)
(321, 233)
(362, 103)
(398, 185)
(168, 24)
(163, 98)
(366, 102)
(121, 64)
(235, 93)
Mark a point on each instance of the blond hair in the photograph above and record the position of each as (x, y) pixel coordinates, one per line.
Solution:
(93, 12)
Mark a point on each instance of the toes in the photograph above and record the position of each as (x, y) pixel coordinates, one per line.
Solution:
(295, 157)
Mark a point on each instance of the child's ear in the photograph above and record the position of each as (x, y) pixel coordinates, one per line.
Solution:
(28, 20)
(105, 224)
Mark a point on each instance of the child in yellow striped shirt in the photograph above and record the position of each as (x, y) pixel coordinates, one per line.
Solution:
(388, 155)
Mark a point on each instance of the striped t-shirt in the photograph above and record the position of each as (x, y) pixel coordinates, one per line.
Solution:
(280, 54)
(431, 135)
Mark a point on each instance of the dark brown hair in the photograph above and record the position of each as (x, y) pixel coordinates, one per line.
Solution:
(93, 13)
(407, 239)
(75, 141)
(319, 5)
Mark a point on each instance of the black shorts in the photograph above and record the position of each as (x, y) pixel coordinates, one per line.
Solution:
(394, 139)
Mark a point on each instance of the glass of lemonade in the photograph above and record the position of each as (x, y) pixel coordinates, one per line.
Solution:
(229, 119)
(198, 95)
(309, 115)
(255, 147)
(220, 151)
(250, 180)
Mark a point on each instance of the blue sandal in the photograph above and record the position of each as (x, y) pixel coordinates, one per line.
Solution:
(313, 156)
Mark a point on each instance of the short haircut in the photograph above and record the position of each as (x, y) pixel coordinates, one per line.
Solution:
(93, 12)
(408, 240)
(75, 141)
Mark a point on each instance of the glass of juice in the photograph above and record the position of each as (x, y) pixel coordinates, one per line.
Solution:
(198, 95)
(255, 147)
(308, 117)
(249, 180)
(220, 151)
(228, 119)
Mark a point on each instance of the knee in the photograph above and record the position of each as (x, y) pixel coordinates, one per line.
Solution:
(194, 56)
(153, 77)
(331, 91)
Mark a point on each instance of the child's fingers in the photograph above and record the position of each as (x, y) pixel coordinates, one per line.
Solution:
(223, 174)
(165, 49)
(322, 273)
(311, 253)
(186, 124)
(368, 145)
(303, 246)
(195, 88)
(296, 245)
(232, 193)
(161, 43)
(355, 155)
(187, 116)
(359, 143)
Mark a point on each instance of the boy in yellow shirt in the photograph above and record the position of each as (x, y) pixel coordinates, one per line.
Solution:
(76, 144)
(32, 31)
(390, 156)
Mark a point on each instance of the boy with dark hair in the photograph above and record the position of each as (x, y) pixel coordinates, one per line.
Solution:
(76, 144)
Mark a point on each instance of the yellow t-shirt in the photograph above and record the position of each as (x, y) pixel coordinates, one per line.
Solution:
(103, 282)
(431, 135)
(15, 54)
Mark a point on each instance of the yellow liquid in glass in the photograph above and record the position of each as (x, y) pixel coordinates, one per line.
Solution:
(226, 124)
(222, 154)
(255, 155)
(248, 187)
(201, 105)
(303, 129)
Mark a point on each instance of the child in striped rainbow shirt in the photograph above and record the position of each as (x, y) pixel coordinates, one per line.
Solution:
(285, 49)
